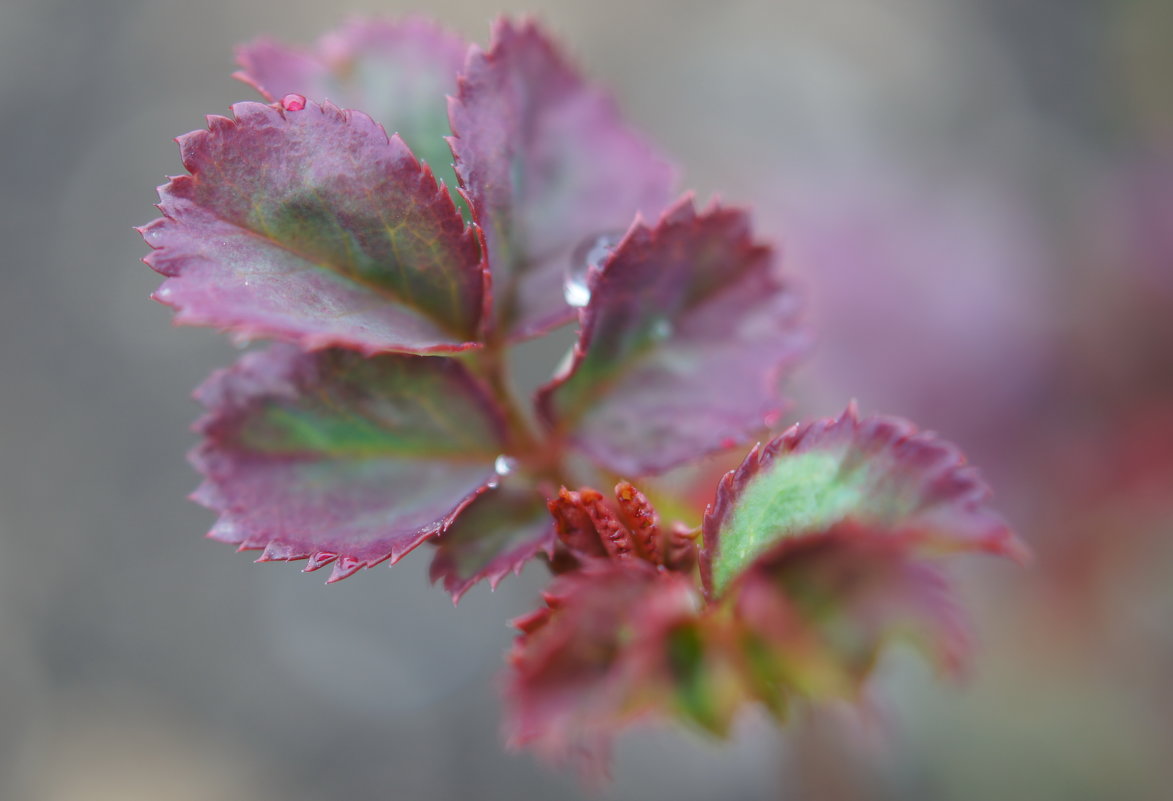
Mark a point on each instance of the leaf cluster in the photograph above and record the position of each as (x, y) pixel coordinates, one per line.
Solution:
(396, 272)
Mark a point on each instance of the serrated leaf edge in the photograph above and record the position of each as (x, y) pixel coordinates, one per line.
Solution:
(245, 331)
(949, 464)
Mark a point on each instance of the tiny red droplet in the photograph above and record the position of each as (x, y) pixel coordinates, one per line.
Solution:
(293, 102)
(728, 442)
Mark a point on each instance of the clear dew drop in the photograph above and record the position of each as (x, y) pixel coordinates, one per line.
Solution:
(504, 465)
(661, 329)
(565, 364)
(586, 259)
(576, 292)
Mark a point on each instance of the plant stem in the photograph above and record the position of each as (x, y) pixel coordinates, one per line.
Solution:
(491, 365)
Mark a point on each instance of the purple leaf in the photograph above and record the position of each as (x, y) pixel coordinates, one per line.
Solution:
(598, 655)
(312, 226)
(547, 166)
(681, 348)
(496, 535)
(340, 458)
(398, 72)
(878, 473)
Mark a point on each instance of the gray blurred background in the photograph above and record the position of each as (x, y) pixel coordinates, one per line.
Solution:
(950, 179)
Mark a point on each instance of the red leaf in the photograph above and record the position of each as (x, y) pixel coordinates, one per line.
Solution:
(397, 72)
(681, 348)
(595, 659)
(341, 459)
(547, 166)
(496, 535)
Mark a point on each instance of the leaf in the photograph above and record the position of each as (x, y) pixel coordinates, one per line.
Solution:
(818, 609)
(313, 227)
(705, 681)
(548, 167)
(681, 347)
(878, 473)
(496, 535)
(332, 456)
(599, 655)
(397, 72)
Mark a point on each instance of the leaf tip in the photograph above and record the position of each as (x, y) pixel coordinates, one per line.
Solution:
(1013, 547)
(345, 567)
(319, 560)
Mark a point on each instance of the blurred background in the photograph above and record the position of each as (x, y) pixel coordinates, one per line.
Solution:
(977, 196)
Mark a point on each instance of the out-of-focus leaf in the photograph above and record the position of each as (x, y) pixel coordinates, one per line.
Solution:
(601, 653)
(878, 473)
(496, 535)
(400, 73)
(548, 167)
(341, 458)
(817, 610)
(312, 226)
(681, 349)
(702, 678)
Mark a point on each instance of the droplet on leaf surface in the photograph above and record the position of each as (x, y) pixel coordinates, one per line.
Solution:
(586, 259)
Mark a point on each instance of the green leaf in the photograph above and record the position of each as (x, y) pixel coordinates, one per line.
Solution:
(879, 473)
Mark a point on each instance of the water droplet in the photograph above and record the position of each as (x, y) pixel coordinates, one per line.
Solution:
(661, 329)
(576, 292)
(565, 364)
(293, 102)
(587, 259)
(504, 465)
